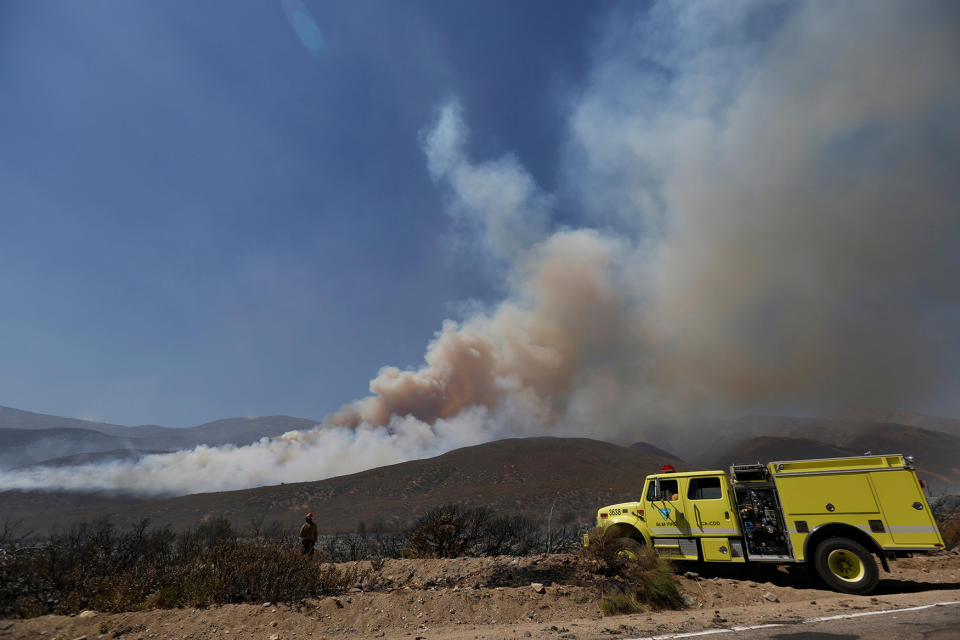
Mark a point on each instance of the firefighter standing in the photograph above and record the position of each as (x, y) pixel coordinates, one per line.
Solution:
(308, 536)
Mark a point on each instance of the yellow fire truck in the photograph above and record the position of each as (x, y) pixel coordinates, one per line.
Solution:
(833, 514)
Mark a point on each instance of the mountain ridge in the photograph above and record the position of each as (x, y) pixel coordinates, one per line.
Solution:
(28, 438)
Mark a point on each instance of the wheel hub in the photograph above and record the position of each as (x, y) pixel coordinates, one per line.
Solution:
(626, 554)
(845, 565)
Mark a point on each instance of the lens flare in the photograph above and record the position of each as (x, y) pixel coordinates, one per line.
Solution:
(304, 25)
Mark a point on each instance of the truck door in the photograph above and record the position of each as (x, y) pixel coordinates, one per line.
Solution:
(710, 508)
(667, 520)
(666, 517)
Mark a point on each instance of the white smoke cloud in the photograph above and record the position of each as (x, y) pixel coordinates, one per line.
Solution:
(499, 200)
(769, 203)
(296, 456)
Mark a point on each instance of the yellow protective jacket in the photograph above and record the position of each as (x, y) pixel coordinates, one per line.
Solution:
(308, 532)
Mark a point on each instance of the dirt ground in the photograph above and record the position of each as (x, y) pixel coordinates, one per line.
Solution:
(494, 598)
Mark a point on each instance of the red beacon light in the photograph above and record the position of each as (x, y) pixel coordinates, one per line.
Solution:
(667, 468)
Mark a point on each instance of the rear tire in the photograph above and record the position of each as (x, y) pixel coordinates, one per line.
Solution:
(620, 551)
(846, 566)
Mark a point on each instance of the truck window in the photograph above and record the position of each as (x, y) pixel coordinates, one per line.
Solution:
(668, 489)
(705, 489)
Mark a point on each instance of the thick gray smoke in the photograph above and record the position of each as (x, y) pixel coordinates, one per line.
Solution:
(769, 223)
(770, 209)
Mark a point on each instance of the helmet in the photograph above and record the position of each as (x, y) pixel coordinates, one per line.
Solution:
(309, 516)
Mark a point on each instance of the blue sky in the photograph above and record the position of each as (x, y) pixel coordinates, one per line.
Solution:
(636, 212)
(201, 219)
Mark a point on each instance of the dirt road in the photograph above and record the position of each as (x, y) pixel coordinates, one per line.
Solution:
(493, 598)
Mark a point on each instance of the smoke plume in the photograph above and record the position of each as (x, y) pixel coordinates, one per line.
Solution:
(769, 214)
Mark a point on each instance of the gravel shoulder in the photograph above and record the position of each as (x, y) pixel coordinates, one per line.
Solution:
(493, 598)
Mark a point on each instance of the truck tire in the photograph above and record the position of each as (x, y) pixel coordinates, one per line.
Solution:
(846, 566)
(620, 551)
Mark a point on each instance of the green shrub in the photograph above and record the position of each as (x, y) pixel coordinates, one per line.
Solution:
(654, 579)
(651, 578)
(617, 604)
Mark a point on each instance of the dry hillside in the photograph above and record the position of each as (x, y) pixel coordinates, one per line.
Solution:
(563, 478)
(767, 438)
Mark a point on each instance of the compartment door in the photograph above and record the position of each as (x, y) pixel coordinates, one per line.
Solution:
(900, 496)
(717, 550)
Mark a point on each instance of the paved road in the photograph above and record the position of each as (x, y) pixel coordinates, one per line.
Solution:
(928, 623)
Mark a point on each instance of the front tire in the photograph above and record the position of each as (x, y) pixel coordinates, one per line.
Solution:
(846, 566)
(620, 551)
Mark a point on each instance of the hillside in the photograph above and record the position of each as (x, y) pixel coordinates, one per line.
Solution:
(97, 457)
(28, 438)
(933, 423)
(769, 448)
(20, 447)
(11, 418)
(218, 432)
(759, 437)
(650, 449)
(937, 473)
(566, 477)
(533, 476)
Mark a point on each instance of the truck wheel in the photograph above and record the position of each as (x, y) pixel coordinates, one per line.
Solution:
(846, 566)
(619, 551)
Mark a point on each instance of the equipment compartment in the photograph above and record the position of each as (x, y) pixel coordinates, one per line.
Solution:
(760, 517)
